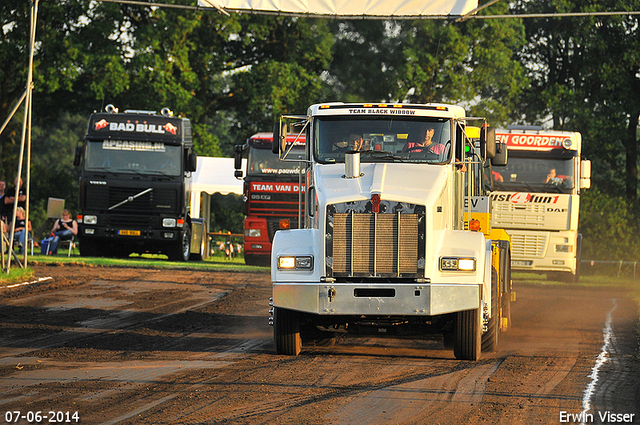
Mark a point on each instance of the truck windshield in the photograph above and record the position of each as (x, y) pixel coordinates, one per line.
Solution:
(383, 139)
(134, 157)
(263, 161)
(545, 175)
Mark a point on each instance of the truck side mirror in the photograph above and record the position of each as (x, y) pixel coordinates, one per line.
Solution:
(77, 156)
(585, 174)
(500, 159)
(279, 140)
(237, 163)
(488, 141)
(192, 161)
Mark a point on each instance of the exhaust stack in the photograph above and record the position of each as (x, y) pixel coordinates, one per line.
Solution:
(352, 165)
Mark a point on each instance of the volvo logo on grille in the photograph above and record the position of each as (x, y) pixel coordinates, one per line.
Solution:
(97, 182)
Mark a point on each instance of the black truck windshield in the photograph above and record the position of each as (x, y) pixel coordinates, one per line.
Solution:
(263, 161)
(133, 157)
(535, 174)
(383, 139)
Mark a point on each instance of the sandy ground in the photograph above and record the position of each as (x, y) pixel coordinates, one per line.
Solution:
(138, 346)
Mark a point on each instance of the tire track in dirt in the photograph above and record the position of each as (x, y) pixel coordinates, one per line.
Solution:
(452, 394)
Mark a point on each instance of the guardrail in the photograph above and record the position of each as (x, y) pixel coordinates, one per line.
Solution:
(632, 267)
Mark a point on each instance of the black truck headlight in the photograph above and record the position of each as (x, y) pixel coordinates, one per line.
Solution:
(90, 219)
(457, 264)
(295, 262)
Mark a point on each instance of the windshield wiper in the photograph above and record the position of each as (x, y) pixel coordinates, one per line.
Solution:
(555, 188)
(130, 198)
(383, 155)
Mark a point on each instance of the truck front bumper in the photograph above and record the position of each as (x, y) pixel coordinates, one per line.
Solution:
(376, 299)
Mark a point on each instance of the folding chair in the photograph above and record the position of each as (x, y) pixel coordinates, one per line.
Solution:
(71, 242)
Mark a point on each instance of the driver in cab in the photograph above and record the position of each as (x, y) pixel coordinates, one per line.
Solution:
(426, 143)
(554, 178)
(354, 142)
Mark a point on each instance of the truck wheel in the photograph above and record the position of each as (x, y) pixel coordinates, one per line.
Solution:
(490, 338)
(181, 250)
(286, 331)
(468, 335)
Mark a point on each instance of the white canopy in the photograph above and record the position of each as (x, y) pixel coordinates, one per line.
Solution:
(349, 8)
(215, 175)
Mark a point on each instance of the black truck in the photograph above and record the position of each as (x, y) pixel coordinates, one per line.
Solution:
(134, 184)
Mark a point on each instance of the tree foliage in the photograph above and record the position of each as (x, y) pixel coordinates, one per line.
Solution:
(232, 75)
(609, 227)
(585, 76)
(471, 63)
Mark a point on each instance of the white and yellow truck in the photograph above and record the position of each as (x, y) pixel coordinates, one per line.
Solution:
(536, 199)
(385, 249)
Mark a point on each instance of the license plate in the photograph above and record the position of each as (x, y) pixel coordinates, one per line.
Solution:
(521, 263)
(129, 232)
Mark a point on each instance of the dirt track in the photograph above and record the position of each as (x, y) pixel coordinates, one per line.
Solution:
(147, 346)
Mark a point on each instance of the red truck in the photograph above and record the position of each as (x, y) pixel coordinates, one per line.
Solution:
(272, 198)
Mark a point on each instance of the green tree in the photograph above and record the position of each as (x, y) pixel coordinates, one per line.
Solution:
(609, 228)
(247, 68)
(471, 63)
(585, 76)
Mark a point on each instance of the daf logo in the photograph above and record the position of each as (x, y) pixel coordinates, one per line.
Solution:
(97, 182)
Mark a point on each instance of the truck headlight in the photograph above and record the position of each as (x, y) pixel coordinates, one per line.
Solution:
(564, 248)
(295, 262)
(90, 219)
(168, 222)
(252, 233)
(457, 264)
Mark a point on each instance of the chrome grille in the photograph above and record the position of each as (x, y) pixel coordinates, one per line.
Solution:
(527, 246)
(374, 245)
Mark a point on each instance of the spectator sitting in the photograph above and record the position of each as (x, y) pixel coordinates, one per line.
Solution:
(10, 196)
(63, 230)
(19, 229)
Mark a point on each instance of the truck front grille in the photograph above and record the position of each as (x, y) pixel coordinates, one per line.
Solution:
(158, 200)
(366, 244)
(528, 246)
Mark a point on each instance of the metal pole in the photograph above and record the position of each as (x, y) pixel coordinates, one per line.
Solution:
(26, 128)
(15, 108)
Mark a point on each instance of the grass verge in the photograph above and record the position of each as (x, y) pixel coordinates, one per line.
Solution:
(16, 275)
(216, 263)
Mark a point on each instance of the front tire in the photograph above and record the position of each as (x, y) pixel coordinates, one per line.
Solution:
(286, 331)
(468, 335)
(181, 250)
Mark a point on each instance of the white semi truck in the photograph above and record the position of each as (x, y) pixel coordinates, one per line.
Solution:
(536, 199)
(385, 249)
